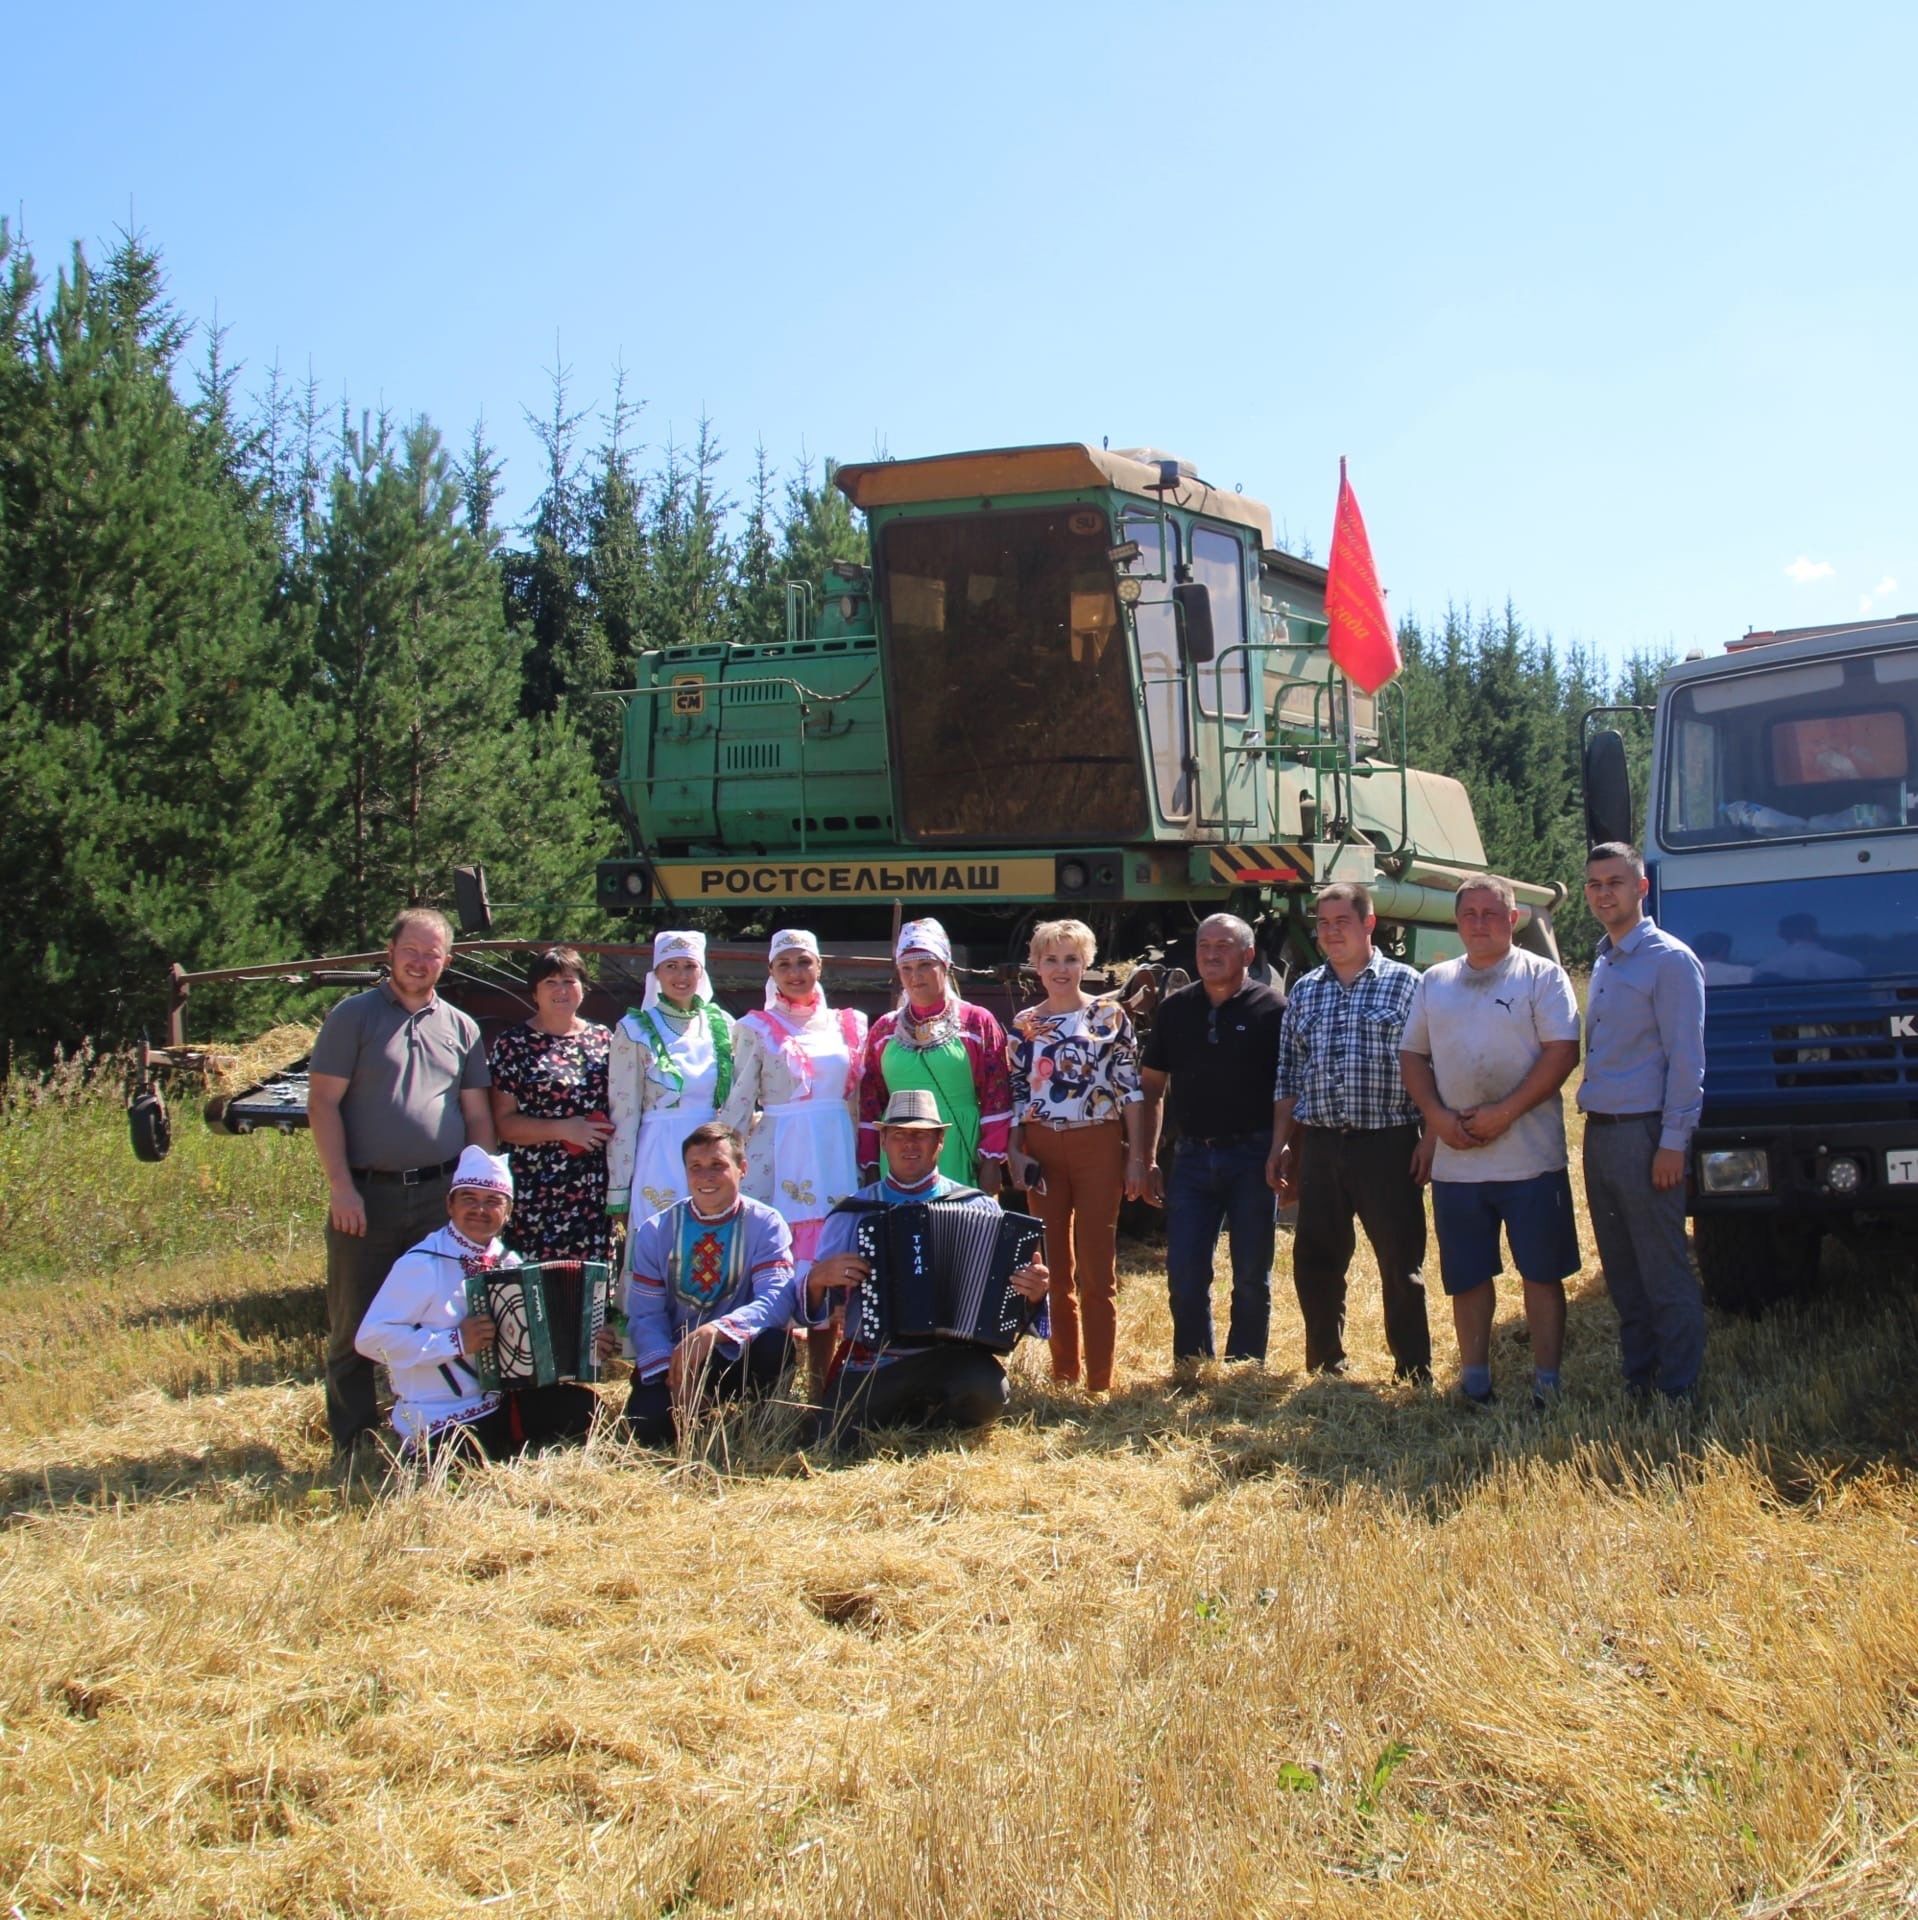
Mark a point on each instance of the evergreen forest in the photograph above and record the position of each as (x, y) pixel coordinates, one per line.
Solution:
(271, 665)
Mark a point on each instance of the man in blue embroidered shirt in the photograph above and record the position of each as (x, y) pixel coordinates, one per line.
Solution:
(709, 1297)
(938, 1383)
(1644, 1084)
(1345, 1137)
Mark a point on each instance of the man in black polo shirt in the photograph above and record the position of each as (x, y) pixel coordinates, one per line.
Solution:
(1216, 1043)
(396, 1088)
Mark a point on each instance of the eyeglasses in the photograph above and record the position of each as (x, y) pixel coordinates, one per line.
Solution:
(1212, 1027)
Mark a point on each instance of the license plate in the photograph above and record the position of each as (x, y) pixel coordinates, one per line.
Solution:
(1901, 1167)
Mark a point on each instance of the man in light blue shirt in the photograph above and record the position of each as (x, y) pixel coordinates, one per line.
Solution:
(1643, 1087)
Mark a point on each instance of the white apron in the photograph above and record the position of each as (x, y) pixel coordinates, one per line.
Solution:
(670, 1114)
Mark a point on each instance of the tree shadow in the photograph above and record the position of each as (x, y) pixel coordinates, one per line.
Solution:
(287, 1312)
(135, 1479)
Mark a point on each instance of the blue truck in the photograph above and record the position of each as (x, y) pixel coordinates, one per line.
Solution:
(1781, 840)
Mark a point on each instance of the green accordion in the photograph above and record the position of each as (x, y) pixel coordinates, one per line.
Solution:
(547, 1317)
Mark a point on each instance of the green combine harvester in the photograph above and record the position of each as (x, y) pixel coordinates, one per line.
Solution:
(1073, 681)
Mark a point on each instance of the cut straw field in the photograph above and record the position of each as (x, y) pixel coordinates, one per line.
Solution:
(1237, 1644)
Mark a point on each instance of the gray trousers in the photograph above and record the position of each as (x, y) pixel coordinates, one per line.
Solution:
(397, 1218)
(1648, 1271)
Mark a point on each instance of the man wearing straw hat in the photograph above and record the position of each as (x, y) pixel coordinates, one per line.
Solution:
(420, 1329)
(941, 1383)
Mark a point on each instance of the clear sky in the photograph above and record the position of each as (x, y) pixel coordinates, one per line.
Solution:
(1612, 309)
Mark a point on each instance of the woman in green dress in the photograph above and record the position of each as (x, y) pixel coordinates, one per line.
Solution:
(948, 1046)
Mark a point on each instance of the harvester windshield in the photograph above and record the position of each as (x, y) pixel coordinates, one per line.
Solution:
(1022, 722)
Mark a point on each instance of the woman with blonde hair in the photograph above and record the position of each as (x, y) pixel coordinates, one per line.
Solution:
(1078, 1142)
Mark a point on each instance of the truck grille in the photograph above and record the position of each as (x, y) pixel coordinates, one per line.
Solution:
(1830, 1037)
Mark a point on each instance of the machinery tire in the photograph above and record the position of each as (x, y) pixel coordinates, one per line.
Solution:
(1749, 1262)
(150, 1126)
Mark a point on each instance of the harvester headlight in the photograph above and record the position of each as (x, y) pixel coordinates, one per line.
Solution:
(1735, 1170)
(1130, 591)
(1072, 876)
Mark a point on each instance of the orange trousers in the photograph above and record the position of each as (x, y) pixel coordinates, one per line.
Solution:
(1084, 1172)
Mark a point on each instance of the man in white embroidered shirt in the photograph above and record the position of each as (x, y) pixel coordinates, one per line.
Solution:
(419, 1327)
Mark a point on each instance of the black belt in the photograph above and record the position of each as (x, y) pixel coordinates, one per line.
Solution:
(1228, 1139)
(1391, 1126)
(404, 1176)
(1618, 1119)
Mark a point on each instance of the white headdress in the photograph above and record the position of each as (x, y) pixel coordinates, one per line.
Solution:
(676, 946)
(788, 940)
(924, 936)
(487, 1172)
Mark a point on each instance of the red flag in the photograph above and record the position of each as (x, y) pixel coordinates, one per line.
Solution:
(1361, 639)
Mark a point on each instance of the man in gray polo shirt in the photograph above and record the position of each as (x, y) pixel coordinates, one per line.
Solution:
(397, 1087)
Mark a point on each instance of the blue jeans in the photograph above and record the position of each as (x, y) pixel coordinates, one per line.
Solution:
(1210, 1187)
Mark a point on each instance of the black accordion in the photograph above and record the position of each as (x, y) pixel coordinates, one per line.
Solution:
(548, 1315)
(941, 1270)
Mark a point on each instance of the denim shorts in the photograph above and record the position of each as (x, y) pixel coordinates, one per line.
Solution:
(1536, 1215)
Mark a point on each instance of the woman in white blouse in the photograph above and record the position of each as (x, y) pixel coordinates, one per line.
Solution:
(671, 1069)
(797, 1058)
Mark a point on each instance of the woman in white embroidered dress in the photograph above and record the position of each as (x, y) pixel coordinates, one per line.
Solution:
(798, 1058)
(671, 1068)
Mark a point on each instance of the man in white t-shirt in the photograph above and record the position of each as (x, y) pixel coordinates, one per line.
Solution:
(1490, 1040)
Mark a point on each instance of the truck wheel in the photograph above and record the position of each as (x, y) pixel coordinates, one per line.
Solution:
(1749, 1262)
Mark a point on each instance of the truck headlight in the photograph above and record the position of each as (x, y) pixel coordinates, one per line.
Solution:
(1735, 1170)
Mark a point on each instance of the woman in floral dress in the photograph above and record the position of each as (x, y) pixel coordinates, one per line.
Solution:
(671, 1070)
(1077, 1144)
(798, 1059)
(549, 1108)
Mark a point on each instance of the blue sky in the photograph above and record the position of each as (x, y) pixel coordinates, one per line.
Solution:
(1612, 311)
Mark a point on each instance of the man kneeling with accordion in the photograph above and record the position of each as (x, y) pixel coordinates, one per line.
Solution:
(485, 1353)
(937, 1282)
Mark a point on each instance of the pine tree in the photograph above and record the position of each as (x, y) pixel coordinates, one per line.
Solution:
(545, 587)
(759, 593)
(141, 697)
(820, 527)
(689, 554)
(431, 761)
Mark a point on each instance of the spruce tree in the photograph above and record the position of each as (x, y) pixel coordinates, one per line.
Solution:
(431, 763)
(142, 717)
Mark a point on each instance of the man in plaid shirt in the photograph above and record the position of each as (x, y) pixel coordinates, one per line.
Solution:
(1345, 1137)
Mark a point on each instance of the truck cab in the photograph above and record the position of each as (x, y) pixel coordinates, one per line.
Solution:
(1782, 845)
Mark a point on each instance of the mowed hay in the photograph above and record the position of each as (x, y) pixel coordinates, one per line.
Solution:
(1233, 1643)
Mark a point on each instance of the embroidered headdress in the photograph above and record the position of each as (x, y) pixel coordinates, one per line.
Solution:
(677, 946)
(924, 936)
(482, 1171)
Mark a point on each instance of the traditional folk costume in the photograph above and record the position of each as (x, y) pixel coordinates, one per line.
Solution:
(413, 1330)
(687, 1271)
(957, 1053)
(669, 1073)
(799, 1060)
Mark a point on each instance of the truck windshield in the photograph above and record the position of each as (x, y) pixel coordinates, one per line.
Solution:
(1013, 711)
(1824, 747)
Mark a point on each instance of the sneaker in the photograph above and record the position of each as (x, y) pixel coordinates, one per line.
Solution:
(1489, 1398)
